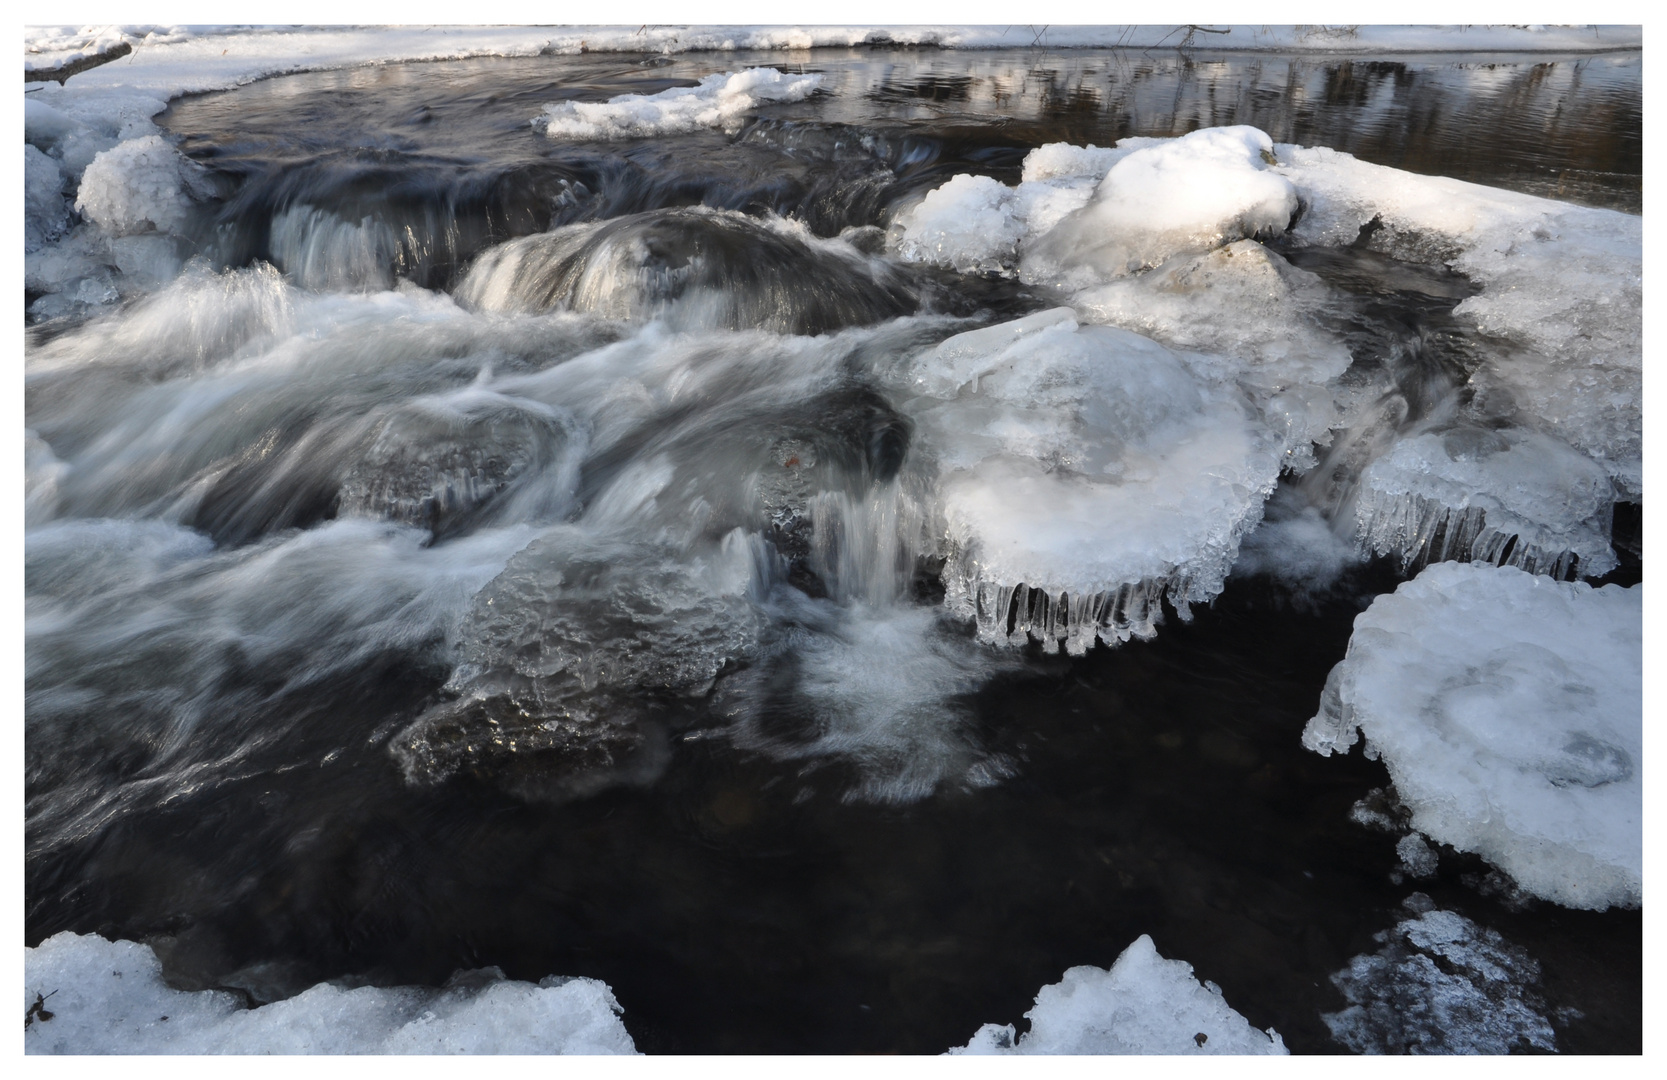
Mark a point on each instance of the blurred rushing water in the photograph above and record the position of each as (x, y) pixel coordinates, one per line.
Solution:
(279, 692)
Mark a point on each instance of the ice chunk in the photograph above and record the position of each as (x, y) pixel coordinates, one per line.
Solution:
(1253, 319)
(1441, 985)
(1143, 1005)
(144, 184)
(1190, 194)
(719, 101)
(1086, 476)
(45, 211)
(976, 224)
(108, 997)
(1561, 303)
(1506, 496)
(1508, 708)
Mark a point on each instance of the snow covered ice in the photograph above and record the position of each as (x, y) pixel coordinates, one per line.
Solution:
(720, 101)
(1143, 1005)
(1508, 710)
(108, 997)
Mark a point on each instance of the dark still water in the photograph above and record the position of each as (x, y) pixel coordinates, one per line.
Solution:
(289, 717)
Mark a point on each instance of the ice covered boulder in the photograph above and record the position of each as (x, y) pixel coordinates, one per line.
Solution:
(142, 185)
(567, 657)
(719, 101)
(1561, 303)
(704, 267)
(1085, 475)
(1143, 1005)
(108, 997)
(1507, 496)
(1508, 708)
(1440, 984)
(1169, 197)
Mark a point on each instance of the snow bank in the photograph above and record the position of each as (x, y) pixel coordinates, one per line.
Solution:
(1441, 985)
(1511, 497)
(1143, 1005)
(720, 101)
(1561, 304)
(1509, 710)
(1085, 475)
(208, 57)
(108, 997)
(140, 186)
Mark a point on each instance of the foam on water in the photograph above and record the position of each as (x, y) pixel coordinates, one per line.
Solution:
(719, 101)
(1507, 708)
(108, 997)
(1143, 1005)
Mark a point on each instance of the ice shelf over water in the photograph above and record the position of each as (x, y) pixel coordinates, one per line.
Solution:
(1085, 476)
(108, 997)
(1561, 301)
(1508, 708)
(1143, 1005)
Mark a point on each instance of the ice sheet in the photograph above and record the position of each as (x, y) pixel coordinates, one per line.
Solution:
(1508, 708)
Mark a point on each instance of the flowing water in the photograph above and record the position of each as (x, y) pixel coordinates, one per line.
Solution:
(423, 589)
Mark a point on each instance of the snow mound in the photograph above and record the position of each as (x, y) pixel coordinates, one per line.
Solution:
(1143, 1005)
(1511, 497)
(142, 185)
(1561, 305)
(1508, 708)
(108, 997)
(1441, 985)
(719, 101)
(1085, 476)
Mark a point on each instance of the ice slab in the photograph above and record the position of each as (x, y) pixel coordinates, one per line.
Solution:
(1441, 985)
(1561, 305)
(1143, 1005)
(1085, 476)
(108, 997)
(1508, 708)
(719, 101)
(1507, 496)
